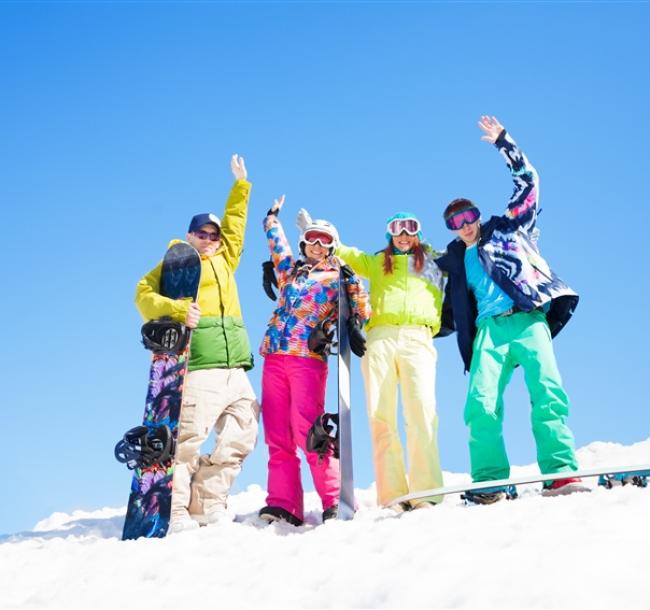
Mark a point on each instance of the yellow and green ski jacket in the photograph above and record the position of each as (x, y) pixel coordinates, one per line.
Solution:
(220, 340)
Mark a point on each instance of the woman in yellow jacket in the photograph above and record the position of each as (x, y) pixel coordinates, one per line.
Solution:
(406, 294)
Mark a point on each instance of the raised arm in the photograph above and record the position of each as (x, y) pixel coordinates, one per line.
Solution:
(357, 259)
(279, 247)
(233, 224)
(523, 204)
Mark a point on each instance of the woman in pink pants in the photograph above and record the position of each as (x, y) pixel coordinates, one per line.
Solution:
(295, 362)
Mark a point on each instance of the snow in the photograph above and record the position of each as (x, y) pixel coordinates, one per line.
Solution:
(579, 551)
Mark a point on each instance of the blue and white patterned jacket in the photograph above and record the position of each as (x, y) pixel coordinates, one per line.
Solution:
(509, 254)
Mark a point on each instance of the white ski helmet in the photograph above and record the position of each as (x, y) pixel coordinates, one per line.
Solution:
(306, 225)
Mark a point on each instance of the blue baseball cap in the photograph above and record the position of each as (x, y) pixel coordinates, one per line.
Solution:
(203, 219)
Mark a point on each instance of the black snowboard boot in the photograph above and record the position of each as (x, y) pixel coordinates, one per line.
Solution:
(331, 513)
(271, 514)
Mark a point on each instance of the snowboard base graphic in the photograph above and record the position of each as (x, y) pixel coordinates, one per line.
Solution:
(149, 507)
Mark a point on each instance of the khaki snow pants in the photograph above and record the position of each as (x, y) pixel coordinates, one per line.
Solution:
(223, 400)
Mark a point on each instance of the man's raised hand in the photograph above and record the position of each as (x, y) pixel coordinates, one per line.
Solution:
(492, 128)
(238, 167)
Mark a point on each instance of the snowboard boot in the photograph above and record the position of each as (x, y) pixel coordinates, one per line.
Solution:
(563, 487)
(181, 522)
(402, 507)
(490, 495)
(424, 505)
(218, 515)
(270, 514)
(331, 513)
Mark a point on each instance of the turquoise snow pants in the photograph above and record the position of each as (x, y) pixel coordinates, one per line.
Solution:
(501, 343)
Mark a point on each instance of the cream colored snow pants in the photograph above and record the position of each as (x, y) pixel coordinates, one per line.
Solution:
(402, 355)
(223, 400)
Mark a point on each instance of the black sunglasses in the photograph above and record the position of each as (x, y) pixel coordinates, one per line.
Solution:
(207, 235)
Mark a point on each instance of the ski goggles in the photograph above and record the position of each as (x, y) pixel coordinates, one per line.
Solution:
(400, 225)
(208, 235)
(460, 219)
(313, 237)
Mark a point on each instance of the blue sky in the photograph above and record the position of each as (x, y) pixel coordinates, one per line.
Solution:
(118, 122)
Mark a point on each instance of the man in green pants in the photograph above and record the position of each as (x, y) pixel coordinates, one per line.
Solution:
(507, 305)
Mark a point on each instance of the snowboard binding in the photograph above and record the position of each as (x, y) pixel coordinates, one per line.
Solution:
(165, 336)
(142, 447)
(490, 495)
(321, 338)
(320, 438)
(638, 479)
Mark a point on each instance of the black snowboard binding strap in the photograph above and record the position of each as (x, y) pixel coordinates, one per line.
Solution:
(165, 336)
(142, 447)
(320, 438)
(321, 338)
(638, 479)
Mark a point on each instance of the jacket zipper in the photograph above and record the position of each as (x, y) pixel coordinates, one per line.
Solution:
(221, 307)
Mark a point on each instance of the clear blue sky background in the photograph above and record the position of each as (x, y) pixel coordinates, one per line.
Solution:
(118, 120)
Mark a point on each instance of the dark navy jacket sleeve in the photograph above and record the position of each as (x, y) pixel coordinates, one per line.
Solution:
(523, 204)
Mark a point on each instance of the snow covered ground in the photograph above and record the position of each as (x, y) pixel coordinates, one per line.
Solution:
(580, 551)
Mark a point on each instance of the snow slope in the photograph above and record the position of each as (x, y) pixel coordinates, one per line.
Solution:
(580, 551)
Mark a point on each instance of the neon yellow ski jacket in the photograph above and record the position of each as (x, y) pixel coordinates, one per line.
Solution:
(404, 297)
(221, 340)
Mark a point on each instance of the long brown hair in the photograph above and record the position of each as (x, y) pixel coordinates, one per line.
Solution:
(418, 255)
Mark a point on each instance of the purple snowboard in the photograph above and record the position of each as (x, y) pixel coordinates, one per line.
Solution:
(149, 505)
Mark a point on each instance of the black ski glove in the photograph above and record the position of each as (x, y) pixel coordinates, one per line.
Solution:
(321, 337)
(357, 340)
(268, 279)
(346, 272)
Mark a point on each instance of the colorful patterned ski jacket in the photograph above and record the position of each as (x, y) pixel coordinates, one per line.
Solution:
(403, 297)
(509, 254)
(220, 340)
(307, 295)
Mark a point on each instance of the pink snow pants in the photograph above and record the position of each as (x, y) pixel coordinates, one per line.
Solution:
(293, 396)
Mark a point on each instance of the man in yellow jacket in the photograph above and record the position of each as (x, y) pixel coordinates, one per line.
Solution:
(217, 392)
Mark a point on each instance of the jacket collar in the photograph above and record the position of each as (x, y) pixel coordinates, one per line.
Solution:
(327, 264)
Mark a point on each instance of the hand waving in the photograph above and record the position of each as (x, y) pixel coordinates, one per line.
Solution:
(277, 204)
(303, 220)
(492, 128)
(238, 167)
